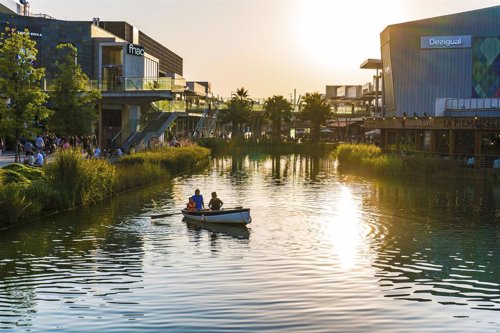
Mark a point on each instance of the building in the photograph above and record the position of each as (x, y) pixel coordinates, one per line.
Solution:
(441, 86)
(132, 70)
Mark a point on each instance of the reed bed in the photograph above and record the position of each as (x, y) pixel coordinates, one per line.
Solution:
(369, 160)
(71, 180)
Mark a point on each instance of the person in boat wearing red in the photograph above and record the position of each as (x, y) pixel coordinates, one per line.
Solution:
(215, 203)
(191, 205)
(198, 200)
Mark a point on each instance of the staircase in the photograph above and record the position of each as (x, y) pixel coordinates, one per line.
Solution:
(206, 124)
(156, 126)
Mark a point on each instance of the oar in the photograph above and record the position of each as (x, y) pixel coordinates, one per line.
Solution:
(158, 216)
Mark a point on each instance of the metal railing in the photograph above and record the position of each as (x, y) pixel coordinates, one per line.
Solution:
(483, 161)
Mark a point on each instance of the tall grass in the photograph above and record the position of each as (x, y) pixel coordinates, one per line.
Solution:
(70, 180)
(80, 181)
(369, 160)
(175, 160)
(223, 146)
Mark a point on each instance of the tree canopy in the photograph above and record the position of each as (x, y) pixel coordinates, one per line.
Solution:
(317, 110)
(71, 99)
(238, 111)
(20, 86)
(279, 111)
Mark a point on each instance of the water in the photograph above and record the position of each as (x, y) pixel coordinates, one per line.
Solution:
(325, 253)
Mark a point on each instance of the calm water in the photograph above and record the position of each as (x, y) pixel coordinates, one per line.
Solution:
(325, 253)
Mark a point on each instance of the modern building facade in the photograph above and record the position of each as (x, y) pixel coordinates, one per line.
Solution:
(131, 69)
(441, 85)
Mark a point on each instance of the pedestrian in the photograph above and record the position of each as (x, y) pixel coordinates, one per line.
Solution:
(215, 203)
(198, 200)
(39, 159)
(40, 143)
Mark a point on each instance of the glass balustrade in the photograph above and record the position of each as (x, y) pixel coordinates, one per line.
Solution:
(128, 84)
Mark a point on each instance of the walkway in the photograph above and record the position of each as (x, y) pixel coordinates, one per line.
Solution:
(6, 157)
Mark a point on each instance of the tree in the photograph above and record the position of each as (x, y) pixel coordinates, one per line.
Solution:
(72, 101)
(279, 111)
(315, 109)
(238, 111)
(20, 85)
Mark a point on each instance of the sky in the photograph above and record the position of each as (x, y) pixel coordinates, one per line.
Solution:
(269, 47)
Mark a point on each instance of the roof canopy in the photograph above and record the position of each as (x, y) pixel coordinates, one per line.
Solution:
(371, 64)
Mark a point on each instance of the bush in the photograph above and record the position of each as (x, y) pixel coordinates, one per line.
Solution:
(175, 160)
(14, 205)
(80, 181)
(135, 175)
(40, 192)
(30, 173)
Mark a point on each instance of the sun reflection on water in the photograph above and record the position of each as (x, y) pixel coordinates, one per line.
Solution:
(344, 229)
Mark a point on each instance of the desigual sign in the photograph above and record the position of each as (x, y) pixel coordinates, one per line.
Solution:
(445, 42)
(135, 50)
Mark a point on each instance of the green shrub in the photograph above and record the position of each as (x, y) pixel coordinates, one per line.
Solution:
(14, 205)
(30, 173)
(39, 191)
(175, 160)
(135, 175)
(14, 177)
(80, 181)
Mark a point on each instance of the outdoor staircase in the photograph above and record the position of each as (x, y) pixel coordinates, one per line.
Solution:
(206, 124)
(156, 126)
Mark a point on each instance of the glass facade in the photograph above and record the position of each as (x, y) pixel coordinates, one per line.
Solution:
(486, 67)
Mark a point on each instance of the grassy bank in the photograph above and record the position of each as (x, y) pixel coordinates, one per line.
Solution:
(70, 180)
(369, 160)
(223, 146)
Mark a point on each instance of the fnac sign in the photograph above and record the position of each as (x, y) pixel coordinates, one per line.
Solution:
(136, 50)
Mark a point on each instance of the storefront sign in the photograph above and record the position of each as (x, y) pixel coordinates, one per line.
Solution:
(445, 42)
(136, 50)
(472, 123)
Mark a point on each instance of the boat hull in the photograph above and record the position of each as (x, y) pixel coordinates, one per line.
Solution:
(229, 216)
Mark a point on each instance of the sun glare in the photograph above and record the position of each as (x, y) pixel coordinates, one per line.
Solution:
(345, 230)
(332, 34)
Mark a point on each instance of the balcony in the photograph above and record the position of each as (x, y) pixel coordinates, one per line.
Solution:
(132, 90)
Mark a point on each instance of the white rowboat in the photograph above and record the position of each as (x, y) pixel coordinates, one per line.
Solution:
(230, 216)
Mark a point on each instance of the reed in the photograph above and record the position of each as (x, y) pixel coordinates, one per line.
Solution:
(14, 205)
(71, 180)
(369, 160)
(136, 175)
(224, 146)
(80, 181)
(175, 160)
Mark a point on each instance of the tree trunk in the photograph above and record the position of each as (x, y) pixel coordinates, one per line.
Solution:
(17, 140)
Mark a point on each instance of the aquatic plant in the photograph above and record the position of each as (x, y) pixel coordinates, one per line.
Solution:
(80, 181)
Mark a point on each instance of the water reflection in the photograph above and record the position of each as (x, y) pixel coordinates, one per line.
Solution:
(345, 229)
(235, 231)
(61, 261)
(439, 246)
(322, 249)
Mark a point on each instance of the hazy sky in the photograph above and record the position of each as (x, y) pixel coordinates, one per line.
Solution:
(268, 46)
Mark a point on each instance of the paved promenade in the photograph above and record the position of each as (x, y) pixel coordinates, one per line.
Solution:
(6, 158)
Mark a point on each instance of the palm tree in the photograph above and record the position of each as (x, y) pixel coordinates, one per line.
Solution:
(238, 111)
(316, 109)
(279, 111)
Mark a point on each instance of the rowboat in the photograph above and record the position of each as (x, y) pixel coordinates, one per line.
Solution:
(230, 216)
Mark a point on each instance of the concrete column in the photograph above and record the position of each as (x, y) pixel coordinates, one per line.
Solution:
(418, 140)
(477, 148)
(433, 141)
(131, 115)
(451, 146)
(100, 132)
